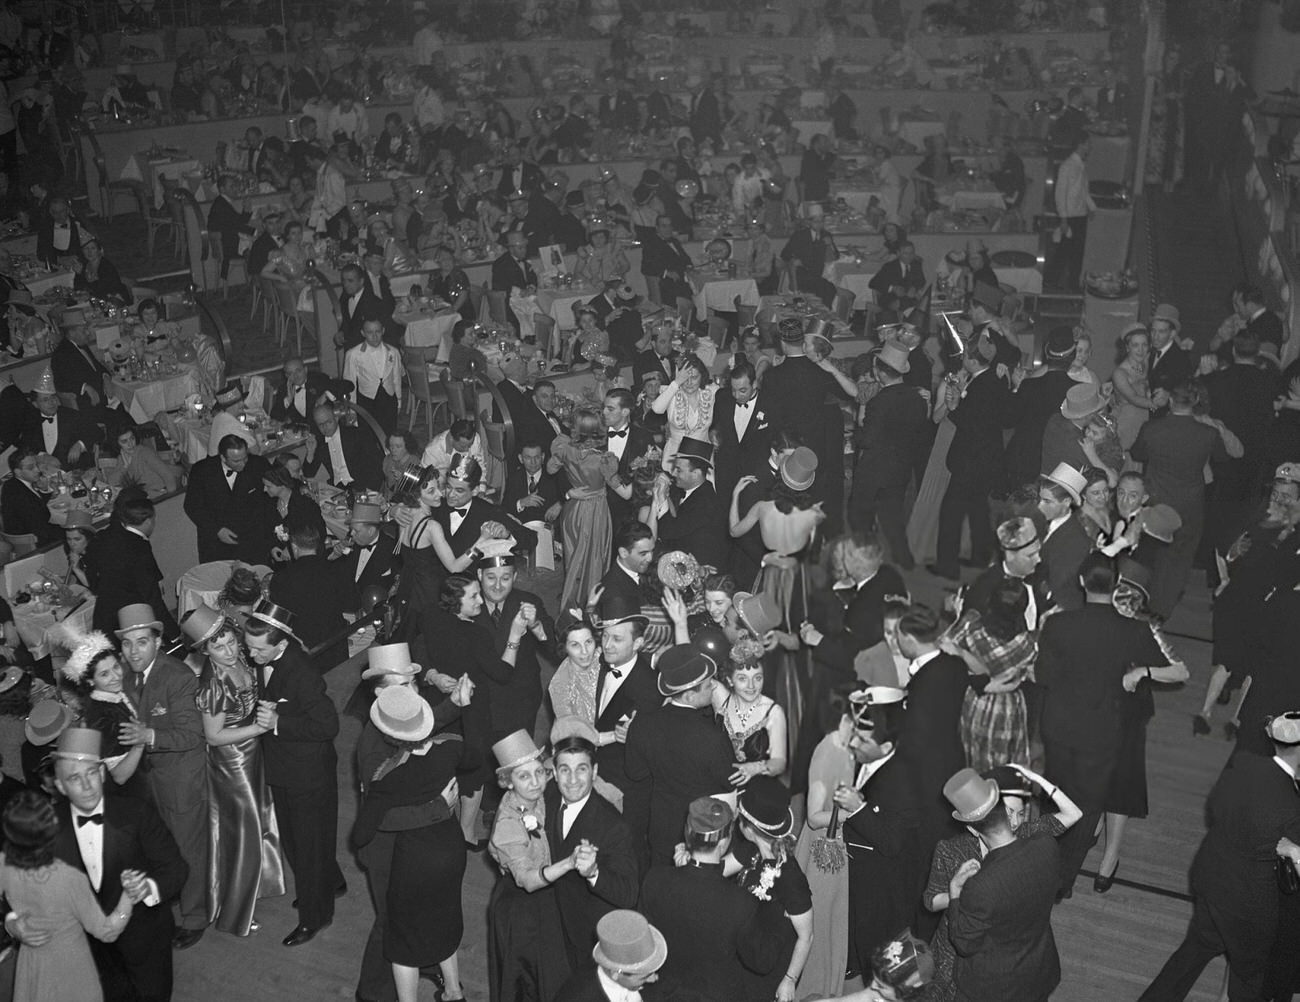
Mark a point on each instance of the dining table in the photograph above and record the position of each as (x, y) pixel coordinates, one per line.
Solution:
(42, 279)
(428, 324)
(151, 166)
(144, 398)
(41, 623)
(721, 288)
(558, 303)
(191, 436)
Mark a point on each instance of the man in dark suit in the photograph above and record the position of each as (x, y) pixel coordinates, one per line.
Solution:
(1065, 542)
(659, 357)
(931, 729)
(1033, 400)
(689, 515)
(744, 425)
(62, 432)
(176, 754)
(626, 689)
(299, 725)
(634, 550)
(515, 704)
(975, 461)
(227, 222)
(128, 836)
(349, 453)
(1254, 818)
(588, 828)
(308, 582)
(881, 813)
(58, 235)
(629, 444)
(1214, 96)
(372, 560)
(531, 412)
(616, 309)
(899, 282)
(128, 572)
(1170, 365)
(1000, 911)
(302, 390)
(895, 428)
(1088, 659)
(717, 935)
(357, 304)
(23, 508)
(77, 371)
(517, 174)
(512, 270)
(664, 258)
(532, 492)
(676, 755)
(463, 512)
(1261, 322)
(231, 512)
(267, 240)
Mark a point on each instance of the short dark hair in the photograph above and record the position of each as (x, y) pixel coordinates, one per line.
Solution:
(30, 826)
(531, 445)
(720, 582)
(1250, 294)
(305, 537)
(135, 511)
(784, 440)
(462, 428)
(260, 628)
(1097, 571)
(623, 396)
(145, 304)
(18, 455)
(1245, 345)
(453, 591)
(352, 269)
(695, 463)
(542, 383)
(630, 533)
(574, 744)
(920, 622)
(743, 368)
(231, 443)
(994, 820)
(1056, 490)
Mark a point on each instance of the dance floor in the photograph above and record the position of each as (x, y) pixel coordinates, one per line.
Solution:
(1111, 945)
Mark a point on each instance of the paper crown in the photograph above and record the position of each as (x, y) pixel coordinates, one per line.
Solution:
(708, 819)
(45, 384)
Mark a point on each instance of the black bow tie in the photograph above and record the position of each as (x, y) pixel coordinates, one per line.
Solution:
(365, 549)
(61, 226)
(746, 405)
(48, 420)
(616, 672)
(462, 512)
(618, 434)
(85, 819)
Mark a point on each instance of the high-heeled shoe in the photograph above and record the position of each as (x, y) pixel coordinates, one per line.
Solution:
(1200, 725)
(1102, 884)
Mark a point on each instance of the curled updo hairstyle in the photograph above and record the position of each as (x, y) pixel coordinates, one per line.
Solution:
(30, 826)
(242, 588)
(720, 582)
(1005, 616)
(589, 429)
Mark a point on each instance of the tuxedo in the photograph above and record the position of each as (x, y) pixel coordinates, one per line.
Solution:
(548, 488)
(1252, 806)
(260, 252)
(310, 587)
(128, 574)
(660, 255)
(531, 425)
(381, 570)
(618, 880)
(1112, 102)
(516, 702)
(975, 460)
(851, 619)
(361, 452)
(737, 457)
(508, 272)
(213, 502)
(226, 221)
(674, 756)
(699, 527)
(1001, 925)
(718, 935)
(618, 582)
(796, 389)
(478, 511)
(1267, 327)
(1170, 369)
(895, 431)
(134, 838)
(637, 444)
(302, 772)
(1063, 551)
(523, 176)
(299, 409)
(366, 305)
(930, 742)
(176, 766)
(637, 695)
(46, 252)
(72, 427)
(23, 511)
(651, 361)
(75, 369)
(898, 285)
(1027, 412)
(886, 872)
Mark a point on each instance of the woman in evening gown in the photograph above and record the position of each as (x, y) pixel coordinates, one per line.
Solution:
(244, 842)
(527, 958)
(585, 525)
(688, 403)
(1133, 403)
(57, 898)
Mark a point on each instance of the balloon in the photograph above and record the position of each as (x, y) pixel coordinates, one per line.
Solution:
(687, 188)
(712, 641)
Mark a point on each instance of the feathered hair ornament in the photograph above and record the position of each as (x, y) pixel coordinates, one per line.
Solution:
(84, 648)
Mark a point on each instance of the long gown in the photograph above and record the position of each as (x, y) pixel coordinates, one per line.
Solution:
(923, 525)
(59, 898)
(244, 861)
(585, 525)
(422, 571)
(527, 958)
(1129, 418)
(823, 973)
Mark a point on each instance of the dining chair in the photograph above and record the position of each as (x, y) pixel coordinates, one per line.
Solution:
(110, 191)
(494, 446)
(497, 303)
(286, 310)
(20, 542)
(426, 392)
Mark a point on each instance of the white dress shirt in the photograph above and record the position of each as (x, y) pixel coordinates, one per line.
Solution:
(613, 990)
(50, 433)
(742, 416)
(618, 445)
(439, 453)
(90, 843)
(342, 475)
(569, 813)
(374, 368)
(1071, 194)
(613, 683)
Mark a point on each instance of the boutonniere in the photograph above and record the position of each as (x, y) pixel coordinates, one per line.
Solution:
(766, 880)
(158, 710)
(281, 534)
(531, 825)
(761, 416)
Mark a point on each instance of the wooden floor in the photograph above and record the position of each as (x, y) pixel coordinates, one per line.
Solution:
(1111, 946)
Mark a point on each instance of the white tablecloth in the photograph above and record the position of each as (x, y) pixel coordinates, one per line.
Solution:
(23, 245)
(144, 400)
(915, 132)
(427, 330)
(141, 167)
(50, 280)
(558, 304)
(974, 200)
(36, 624)
(721, 294)
(858, 198)
(1021, 279)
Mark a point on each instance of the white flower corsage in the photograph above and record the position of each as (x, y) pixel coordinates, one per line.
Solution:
(531, 825)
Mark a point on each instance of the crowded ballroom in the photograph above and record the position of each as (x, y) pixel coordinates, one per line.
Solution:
(820, 480)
